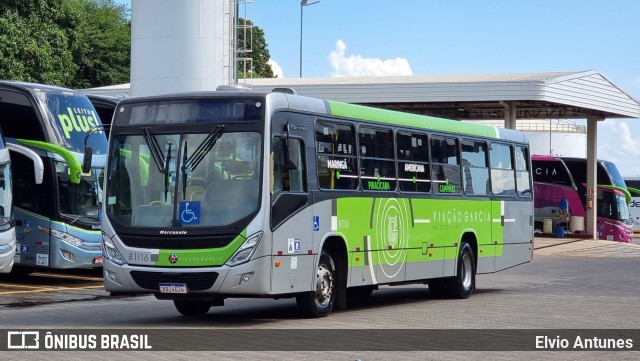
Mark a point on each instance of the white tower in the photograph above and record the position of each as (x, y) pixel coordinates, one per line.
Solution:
(179, 45)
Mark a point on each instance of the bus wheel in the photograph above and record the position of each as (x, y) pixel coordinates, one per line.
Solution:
(463, 284)
(192, 308)
(319, 302)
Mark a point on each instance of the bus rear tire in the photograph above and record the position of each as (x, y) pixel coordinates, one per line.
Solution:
(464, 283)
(319, 302)
(192, 308)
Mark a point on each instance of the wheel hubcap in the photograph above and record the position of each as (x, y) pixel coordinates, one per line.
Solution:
(324, 285)
(466, 271)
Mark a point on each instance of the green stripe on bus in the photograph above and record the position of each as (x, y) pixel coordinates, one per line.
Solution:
(411, 120)
(208, 257)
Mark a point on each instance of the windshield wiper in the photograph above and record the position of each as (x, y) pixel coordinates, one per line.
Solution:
(166, 171)
(184, 170)
(156, 151)
(202, 149)
(161, 161)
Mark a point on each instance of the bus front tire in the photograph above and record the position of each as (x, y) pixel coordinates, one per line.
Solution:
(319, 302)
(192, 308)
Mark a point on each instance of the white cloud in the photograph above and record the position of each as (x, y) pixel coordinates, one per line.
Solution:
(616, 144)
(275, 67)
(356, 65)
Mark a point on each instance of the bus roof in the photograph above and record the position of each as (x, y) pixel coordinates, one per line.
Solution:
(34, 86)
(354, 111)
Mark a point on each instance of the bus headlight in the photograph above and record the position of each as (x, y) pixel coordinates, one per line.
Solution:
(110, 252)
(66, 238)
(244, 253)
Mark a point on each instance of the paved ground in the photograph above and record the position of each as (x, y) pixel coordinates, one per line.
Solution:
(572, 283)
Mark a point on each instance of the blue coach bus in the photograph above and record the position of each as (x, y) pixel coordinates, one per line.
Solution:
(57, 221)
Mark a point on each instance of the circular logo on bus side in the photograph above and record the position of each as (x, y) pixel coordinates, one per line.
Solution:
(392, 228)
(173, 259)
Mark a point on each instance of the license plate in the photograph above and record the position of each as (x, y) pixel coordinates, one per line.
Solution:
(97, 260)
(173, 288)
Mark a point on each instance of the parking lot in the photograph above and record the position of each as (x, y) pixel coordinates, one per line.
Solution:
(571, 284)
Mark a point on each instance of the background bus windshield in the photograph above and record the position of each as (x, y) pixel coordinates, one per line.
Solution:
(72, 116)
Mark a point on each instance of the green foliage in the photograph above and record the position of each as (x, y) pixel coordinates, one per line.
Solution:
(72, 43)
(85, 43)
(100, 43)
(252, 37)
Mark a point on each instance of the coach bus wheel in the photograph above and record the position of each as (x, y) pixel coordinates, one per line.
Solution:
(192, 308)
(319, 302)
(463, 284)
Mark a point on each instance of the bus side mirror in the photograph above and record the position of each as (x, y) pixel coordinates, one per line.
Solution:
(293, 153)
(86, 160)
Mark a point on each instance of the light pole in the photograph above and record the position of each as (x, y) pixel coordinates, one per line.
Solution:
(303, 3)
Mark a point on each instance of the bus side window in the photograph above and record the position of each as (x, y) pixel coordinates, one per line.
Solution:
(336, 158)
(287, 180)
(475, 169)
(503, 180)
(414, 170)
(523, 176)
(446, 168)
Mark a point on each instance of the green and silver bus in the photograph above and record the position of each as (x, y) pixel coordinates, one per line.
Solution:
(225, 194)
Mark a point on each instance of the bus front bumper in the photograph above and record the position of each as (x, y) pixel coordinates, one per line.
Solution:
(251, 278)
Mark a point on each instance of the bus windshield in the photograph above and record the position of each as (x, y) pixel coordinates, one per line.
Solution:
(613, 205)
(79, 202)
(616, 177)
(184, 180)
(72, 116)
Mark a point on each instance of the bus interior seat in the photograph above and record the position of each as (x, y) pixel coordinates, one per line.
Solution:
(194, 193)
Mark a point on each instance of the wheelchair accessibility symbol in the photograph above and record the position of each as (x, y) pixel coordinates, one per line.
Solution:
(189, 212)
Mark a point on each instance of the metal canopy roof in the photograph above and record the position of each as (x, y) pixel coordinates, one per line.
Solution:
(567, 95)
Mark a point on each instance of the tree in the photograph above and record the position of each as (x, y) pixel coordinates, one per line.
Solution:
(72, 43)
(251, 37)
(100, 41)
(33, 49)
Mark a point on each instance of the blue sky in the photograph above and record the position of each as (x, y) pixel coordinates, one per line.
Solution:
(422, 37)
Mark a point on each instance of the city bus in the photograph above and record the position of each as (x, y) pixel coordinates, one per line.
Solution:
(558, 179)
(633, 186)
(57, 223)
(225, 194)
(7, 225)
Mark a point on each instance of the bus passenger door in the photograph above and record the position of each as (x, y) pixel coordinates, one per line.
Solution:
(291, 218)
(31, 211)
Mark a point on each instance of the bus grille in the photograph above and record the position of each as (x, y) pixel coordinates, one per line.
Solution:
(195, 281)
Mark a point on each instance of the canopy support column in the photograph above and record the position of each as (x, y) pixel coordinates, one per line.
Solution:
(592, 176)
(509, 114)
